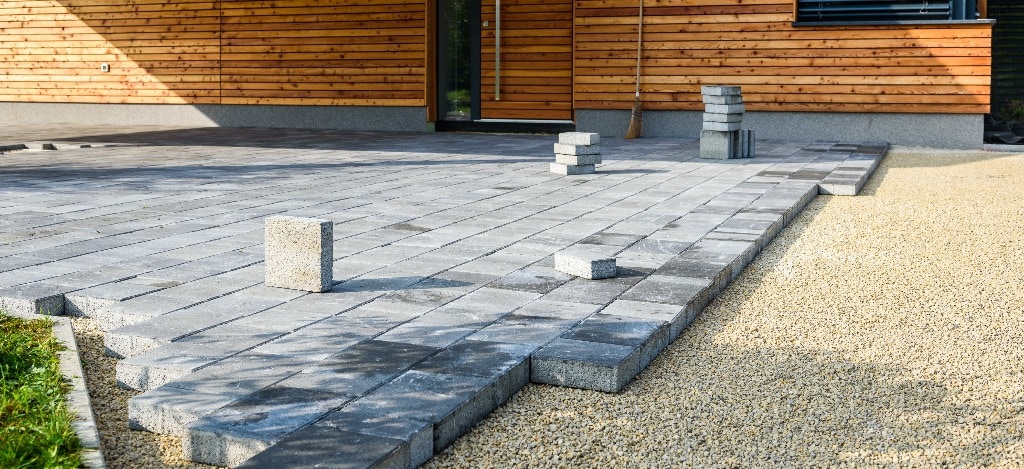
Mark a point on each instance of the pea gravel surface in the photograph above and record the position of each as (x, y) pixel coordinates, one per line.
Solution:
(884, 329)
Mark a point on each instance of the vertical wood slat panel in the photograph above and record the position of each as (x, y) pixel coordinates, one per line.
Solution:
(536, 60)
(909, 68)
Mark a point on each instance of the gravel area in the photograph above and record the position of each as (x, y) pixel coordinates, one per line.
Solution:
(884, 329)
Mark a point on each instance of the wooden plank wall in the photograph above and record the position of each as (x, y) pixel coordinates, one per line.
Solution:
(536, 60)
(51, 51)
(752, 43)
(347, 52)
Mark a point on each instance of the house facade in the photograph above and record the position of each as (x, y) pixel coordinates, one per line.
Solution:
(907, 72)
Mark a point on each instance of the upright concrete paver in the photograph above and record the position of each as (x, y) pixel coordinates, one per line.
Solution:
(445, 248)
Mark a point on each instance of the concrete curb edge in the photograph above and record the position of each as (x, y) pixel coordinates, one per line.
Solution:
(78, 397)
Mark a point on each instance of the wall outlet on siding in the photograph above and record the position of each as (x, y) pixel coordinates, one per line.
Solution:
(104, 68)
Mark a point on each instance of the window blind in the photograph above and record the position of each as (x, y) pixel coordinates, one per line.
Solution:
(885, 10)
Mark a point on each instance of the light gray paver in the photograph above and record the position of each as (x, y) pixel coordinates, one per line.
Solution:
(572, 170)
(577, 160)
(448, 302)
(29, 299)
(579, 138)
(299, 253)
(577, 150)
(587, 261)
(587, 365)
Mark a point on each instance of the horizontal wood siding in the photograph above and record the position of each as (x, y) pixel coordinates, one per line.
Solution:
(536, 60)
(158, 52)
(752, 43)
(348, 52)
(300, 52)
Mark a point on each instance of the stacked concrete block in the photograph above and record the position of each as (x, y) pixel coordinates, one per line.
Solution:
(723, 136)
(299, 253)
(576, 153)
(593, 264)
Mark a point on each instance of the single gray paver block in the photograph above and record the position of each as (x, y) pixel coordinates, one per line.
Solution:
(299, 253)
(577, 150)
(361, 368)
(579, 138)
(725, 99)
(585, 365)
(724, 108)
(418, 435)
(32, 299)
(747, 143)
(167, 410)
(453, 403)
(507, 364)
(583, 262)
(158, 366)
(532, 279)
(327, 447)
(237, 432)
(577, 160)
(89, 301)
(713, 117)
(650, 336)
(572, 170)
(720, 90)
(718, 145)
(721, 127)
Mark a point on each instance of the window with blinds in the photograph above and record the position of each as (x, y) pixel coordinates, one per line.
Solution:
(817, 11)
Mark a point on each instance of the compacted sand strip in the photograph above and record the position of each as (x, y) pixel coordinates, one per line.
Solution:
(879, 329)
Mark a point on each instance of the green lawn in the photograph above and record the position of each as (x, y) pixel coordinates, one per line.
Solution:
(35, 424)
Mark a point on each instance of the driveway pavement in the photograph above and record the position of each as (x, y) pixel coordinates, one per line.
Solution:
(445, 299)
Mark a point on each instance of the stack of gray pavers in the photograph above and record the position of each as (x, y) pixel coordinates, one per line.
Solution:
(723, 136)
(576, 153)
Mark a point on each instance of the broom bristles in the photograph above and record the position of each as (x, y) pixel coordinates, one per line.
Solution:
(636, 120)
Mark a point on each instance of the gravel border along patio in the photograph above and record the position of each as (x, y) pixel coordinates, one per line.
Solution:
(883, 329)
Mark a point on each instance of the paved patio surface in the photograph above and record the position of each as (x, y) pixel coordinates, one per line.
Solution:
(445, 303)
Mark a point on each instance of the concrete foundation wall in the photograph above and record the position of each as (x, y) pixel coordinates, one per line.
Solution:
(292, 117)
(920, 130)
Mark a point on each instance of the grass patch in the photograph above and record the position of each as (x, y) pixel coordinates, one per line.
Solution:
(35, 423)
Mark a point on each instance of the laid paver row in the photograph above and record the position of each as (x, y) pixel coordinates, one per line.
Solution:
(480, 286)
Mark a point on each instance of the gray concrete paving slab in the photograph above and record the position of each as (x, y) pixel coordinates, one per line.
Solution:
(443, 247)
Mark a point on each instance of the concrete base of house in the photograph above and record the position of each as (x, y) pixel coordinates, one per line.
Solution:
(961, 131)
(219, 115)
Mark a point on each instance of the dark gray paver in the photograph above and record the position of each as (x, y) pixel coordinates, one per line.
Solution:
(240, 430)
(445, 302)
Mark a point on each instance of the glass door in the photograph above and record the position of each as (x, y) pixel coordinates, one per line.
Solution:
(458, 60)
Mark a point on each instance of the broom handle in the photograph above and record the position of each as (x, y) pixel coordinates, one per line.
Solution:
(639, 45)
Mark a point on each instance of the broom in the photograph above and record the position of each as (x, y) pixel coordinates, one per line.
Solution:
(636, 118)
